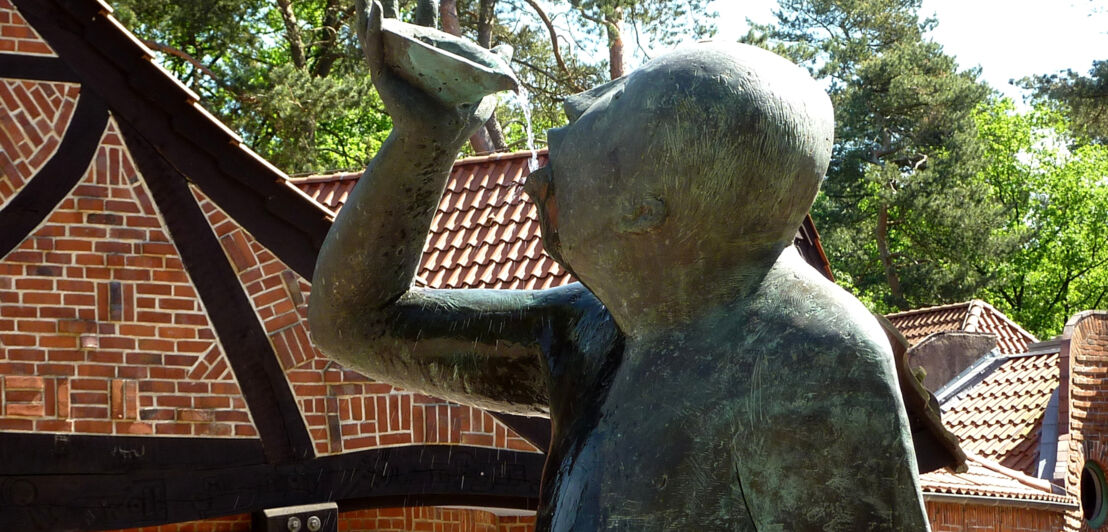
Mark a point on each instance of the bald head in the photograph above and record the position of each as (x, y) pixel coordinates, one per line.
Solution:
(705, 160)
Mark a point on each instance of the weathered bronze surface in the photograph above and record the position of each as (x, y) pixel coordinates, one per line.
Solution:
(701, 376)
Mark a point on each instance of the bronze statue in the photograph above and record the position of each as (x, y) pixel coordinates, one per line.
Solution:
(701, 376)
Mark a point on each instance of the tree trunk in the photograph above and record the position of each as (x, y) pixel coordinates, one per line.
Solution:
(886, 258)
(489, 138)
(485, 11)
(615, 42)
(448, 13)
(426, 13)
(496, 134)
(296, 42)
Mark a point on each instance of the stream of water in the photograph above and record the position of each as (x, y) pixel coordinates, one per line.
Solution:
(522, 99)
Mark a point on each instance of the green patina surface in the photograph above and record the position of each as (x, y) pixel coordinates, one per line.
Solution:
(701, 376)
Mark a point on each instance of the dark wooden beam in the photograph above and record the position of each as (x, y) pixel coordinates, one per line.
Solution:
(37, 199)
(249, 351)
(385, 477)
(536, 430)
(38, 68)
(138, 92)
(30, 454)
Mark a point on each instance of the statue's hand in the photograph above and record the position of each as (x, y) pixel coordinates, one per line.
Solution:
(403, 86)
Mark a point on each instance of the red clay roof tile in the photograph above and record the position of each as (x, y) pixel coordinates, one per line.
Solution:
(1000, 417)
(970, 316)
(986, 478)
(485, 233)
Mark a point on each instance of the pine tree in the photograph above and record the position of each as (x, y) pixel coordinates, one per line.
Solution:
(904, 216)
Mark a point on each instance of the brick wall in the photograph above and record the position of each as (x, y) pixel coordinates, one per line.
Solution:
(1085, 363)
(16, 36)
(344, 410)
(952, 517)
(37, 114)
(102, 332)
(100, 327)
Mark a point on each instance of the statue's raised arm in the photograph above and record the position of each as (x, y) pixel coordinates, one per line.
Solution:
(482, 347)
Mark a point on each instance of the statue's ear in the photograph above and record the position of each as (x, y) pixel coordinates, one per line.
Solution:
(644, 215)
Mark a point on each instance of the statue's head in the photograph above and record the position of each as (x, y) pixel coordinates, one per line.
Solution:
(704, 161)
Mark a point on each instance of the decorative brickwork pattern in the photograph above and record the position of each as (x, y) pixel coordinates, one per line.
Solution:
(33, 118)
(952, 517)
(18, 37)
(343, 409)
(1086, 360)
(100, 327)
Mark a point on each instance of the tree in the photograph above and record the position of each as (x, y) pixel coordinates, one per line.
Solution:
(1056, 204)
(1085, 98)
(903, 214)
(286, 75)
(289, 77)
(663, 22)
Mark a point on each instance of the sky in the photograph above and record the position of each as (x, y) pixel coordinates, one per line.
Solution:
(1008, 39)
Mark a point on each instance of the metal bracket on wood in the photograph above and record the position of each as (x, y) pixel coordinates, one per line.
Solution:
(323, 517)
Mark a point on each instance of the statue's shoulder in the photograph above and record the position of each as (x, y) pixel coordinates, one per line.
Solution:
(804, 301)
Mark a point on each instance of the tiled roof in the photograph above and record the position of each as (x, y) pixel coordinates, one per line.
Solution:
(1000, 416)
(970, 316)
(986, 478)
(485, 233)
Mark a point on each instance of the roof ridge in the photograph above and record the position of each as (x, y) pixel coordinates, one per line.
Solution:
(1019, 476)
(301, 179)
(1006, 319)
(500, 156)
(921, 310)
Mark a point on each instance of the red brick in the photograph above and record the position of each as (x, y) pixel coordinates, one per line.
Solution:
(172, 428)
(61, 370)
(193, 415)
(116, 342)
(214, 429)
(157, 414)
(42, 298)
(193, 387)
(173, 401)
(36, 326)
(212, 402)
(95, 370)
(225, 388)
(76, 326)
(26, 355)
(25, 410)
(16, 424)
(34, 284)
(53, 425)
(125, 427)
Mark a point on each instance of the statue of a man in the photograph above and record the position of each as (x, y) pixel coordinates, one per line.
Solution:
(700, 376)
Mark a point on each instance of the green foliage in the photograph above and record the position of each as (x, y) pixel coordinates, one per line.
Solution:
(1056, 204)
(1085, 98)
(241, 58)
(904, 217)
